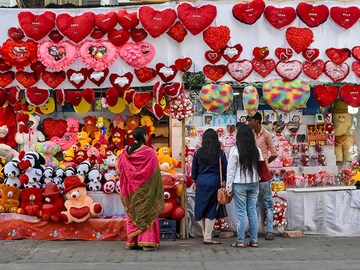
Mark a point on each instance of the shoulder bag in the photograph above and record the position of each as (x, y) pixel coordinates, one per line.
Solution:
(264, 172)
(222, 195)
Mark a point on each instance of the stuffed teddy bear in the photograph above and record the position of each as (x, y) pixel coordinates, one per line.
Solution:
(94, 177)
(132, 122)
(172, 208)
(109, 165)
(90, 126)
(27, 140)
(344, 136)
(31, 202)
(164, 151)
(11, 173)
(8, 126)
(53, 203)
(8, 153)
(80, 207)
(147, 122)
(167, 164)
(118, 132)
(73, 125)
(94, 157)
(10, 199)
(48, 150)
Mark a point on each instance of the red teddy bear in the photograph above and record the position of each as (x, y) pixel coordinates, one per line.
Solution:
(53, 203)
(31, 202)
(172, 209)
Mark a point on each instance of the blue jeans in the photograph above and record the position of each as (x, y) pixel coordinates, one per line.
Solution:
(245, 198)
(265, 195)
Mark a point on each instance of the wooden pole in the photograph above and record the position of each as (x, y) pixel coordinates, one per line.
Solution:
(184, 221)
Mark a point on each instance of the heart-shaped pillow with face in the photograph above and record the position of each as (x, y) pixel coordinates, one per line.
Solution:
(313, 69)
(37, 26)
(53, 79)
(279, 17)
(299, 39)
(325, 95)
(240, 70)
(106, 21)
(98, 55)
(345, 16)
(6, 78)
(335, 72)
(137, 55)
(216, 37)
(57, 56)
(311, 15)
(250, 100)
(286, 96)
(250, 12)
(19, 54)
(98, 77)
(77, 77)
(216, 98)
(27, 79)
(54, 128)
(289, 70)
(196, 19)
(156, 22)
(76, 28)
(350, 94)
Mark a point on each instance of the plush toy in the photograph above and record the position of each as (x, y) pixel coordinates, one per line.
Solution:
(83, 169)
(66, 141)
(10, 199)
(2, 164)
(109, 185)
(167, 164)
(59, 175)
(8, 126)
(110, 163)
(148, 123)
(80, 207)
(27, 140)
(69, 158)
(53, 203)
(94, 157)
(8, 153)
(32, 165)
(48, 175)
(164, 151)
(11, 172)
(132, 122)
(118, 132)
(344, 136)
(90, 126)
(172, 209)
(32, 178)
(94, 177)
(72, 125)
(31, 202)
(81, 149)
(330, 134)
(48, 150)
(69, 171)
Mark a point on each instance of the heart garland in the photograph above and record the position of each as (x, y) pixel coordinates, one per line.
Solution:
(325, 95)
(37, 27)
(279, 17)
(350, 94)
(299, 39)
(250, 12)
(312, 16)
(216, 37)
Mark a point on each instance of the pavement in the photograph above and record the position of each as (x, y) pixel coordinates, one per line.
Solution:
(308, 252)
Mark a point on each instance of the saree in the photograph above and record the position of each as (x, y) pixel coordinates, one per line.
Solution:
(142, 194)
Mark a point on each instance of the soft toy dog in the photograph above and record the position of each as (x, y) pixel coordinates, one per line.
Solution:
(48, 150)
(8, 153)
(167, 164)
(27, 140)
(53, 203)
(10, 199)
(7, 126)
(31, 202)
(80, 207)
(11, 172)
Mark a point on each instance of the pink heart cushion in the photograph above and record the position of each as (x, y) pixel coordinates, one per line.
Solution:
(137, 55)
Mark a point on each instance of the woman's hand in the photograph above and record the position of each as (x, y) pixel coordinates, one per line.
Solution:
(229, 193)
(193, 186)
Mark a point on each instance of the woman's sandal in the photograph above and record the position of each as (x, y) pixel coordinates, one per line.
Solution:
(149, 248)
(251, 244)
(237, 245)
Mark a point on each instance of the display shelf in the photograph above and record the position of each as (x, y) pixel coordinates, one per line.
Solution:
(317, 189)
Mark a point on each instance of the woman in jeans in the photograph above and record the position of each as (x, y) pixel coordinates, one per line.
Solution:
(243, 179)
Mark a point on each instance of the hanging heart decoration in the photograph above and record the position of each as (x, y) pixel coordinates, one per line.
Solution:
(260, 53)
(3, 65)
(240, 70)
(310, 54)
(36, 96)
(138, 34)
(345, 16)
(145, 74)
(355, 67)
(121, 82)
(77, 77)
(248, 13)
(335, 72)
(57, 56)
(212, 56)
(37, 27)
(350, 94)
(106, 21)
(177, 32)
(6, 78)
(289, 70)
(183, 64)
(214, 72)
(137, 55)
(27, 79)
(166, 73)
(355, 52)
(263, 67)
(338, 56)
(16, 34)
(97, 55)
(216, 37)
(12, 95)
(38, 67)
(118, 37)
(61, 97)
(279, 17)
(325, 95)
(97, 33)
(250, 100)
(196, 19)
(312, 16)
(299, 39)
(98, 77)
(55, 36)
(19, 54)
(313, 69)
(173, 90)
(53, 79)
(232, 53)
(286, 96)
(181, 107)
(216, 98)
(283, 54)
(127, 20)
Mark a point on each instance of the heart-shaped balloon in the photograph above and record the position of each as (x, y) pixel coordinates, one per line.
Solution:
(216, 98)
(250, 100)
(137, 55)
(286, 96)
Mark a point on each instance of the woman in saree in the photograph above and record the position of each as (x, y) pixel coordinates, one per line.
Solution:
(141, 192)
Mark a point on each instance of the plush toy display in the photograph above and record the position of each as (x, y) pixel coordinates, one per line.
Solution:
(167, 164)
(53, 203)
(83, 169)
(7, 126)
(48, 150)
(10, 199)
(27, 140)
(80, 207)
(110, 163)
(31, 202)
(7, 153)
(344, 136)
(93, 156)
(11, 173)
(72, 125)
(58, 179)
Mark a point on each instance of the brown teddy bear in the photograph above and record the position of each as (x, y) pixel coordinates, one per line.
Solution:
(10, 199)
(80, 207)
(344, 136)
(167, 164)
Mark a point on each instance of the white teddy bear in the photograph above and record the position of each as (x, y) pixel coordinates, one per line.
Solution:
(27, 140)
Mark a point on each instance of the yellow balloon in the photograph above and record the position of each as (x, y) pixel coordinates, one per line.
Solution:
(83, 107)
(119, 107)
(133, 109)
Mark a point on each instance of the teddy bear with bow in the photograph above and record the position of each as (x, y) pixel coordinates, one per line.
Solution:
(27, 140)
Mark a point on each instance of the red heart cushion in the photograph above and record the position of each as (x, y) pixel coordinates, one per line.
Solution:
(77, 77)
(355, 52)
(53, 79)
(289, 70)
(79, 213)
(74, 97)
(98, 77)
(311, 15)
(338, 56)
(350, 94)
(183, 64)
(196, 19)
(240, 70)
(61, 97)
(216, 37)
(16, 34)
(76, 28)
(54, 128)
(19, 54)
(107, 21)
(299, 38)
(36, 96)
(89, 95)
(325, 95)
(177, 32)
(214, 73)
(156, 22)
(166, 73)
(127, 20)
(313, 69)
(212, 57)
(27, 79)
(231, 54)
(279, 17)
(3, 65)
(158, 111)
(2, 98)
(284, 54)
(336, 72)
(355, 67)
(250, 12)
(145, 74)
(310, 54)
(112, 96)
(38, 67)
(121, 82)
(345, 16)
(158, 91)
(12, 94)
(173, 90)
(138, 34)
(140, 99)
(260, 53)
(6, 78)
(118, 37)
(55, 36)
(97, 33)
(37, 26)
(263, 67)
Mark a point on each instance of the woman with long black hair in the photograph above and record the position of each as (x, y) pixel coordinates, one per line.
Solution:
(206, 177)
(243, 181)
